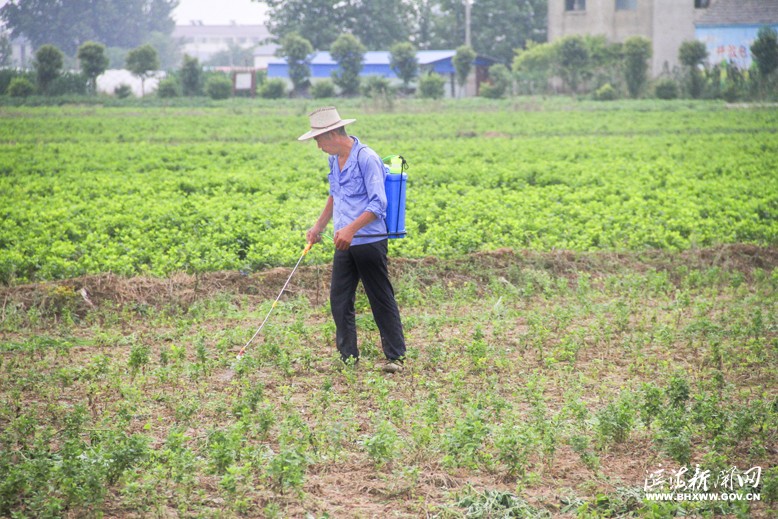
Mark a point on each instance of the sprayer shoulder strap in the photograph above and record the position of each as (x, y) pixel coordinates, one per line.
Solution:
(359, 166)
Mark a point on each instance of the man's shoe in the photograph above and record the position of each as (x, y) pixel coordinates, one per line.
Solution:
(392, 366)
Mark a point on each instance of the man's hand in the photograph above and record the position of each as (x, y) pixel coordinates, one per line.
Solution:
(343, 238)
(313, 235)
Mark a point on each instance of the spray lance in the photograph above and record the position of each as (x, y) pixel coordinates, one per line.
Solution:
(243, 349)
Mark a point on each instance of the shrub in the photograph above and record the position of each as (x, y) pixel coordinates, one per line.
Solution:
(20, 87)
(273, 89)
(382, 446)
(168, 88)
(431, 86)
(605, 93)
(122, 91)
(500, 78)
(616, 420)
(666, 89)
(6, 76)
(218, 87)
(69, 84)
(322, 89)
(489, 91)
(377, 86)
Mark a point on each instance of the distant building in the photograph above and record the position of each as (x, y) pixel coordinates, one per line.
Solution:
(203, 41)
(377, 63)
(729, 28)
(667, 23)
(22, 53)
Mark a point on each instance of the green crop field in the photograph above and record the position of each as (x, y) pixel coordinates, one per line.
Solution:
(91, 190)
(588, 292)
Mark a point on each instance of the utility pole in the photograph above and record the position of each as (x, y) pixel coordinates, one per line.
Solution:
(467, 23)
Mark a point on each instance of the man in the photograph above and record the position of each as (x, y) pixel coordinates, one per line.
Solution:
(357, 204)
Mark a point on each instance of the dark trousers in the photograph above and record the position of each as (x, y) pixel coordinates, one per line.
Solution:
(367, 263)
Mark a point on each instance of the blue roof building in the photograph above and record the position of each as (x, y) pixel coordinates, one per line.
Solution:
(377, 63)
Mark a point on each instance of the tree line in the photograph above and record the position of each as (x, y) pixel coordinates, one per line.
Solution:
(498, 27)
(579, 65)
(593, 66)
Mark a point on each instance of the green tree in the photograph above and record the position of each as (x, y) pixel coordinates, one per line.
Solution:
(573, 60)
(692, 54)
(422, 20)
(765, 51)
(48, 66)
(69, 23)
(93, 61)
(403, 62)
(377, 24)
(463, 63)
(6, 51)
(297, 51)
(143, 62)
(319, 20)
(533, 67)
(191, 74)
(606, 61)
(637, 52)
(348, 52)
(501, 26)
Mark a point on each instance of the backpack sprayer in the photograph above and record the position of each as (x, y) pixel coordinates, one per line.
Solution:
(396, 184)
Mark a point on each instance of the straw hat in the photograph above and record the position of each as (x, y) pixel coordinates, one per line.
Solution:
(324, 120)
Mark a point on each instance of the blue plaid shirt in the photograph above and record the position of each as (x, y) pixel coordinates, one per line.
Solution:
(358, 188)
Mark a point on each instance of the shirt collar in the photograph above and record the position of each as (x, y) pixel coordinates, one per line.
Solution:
(352, 156)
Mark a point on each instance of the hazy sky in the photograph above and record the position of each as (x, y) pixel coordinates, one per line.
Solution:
(243, 12)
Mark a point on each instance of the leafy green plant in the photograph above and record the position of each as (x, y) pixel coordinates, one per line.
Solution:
(383, 446)
(616, 420)
(678, 390)
(514, 444)
(286, 470)
(462, 442)
(139, 357)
